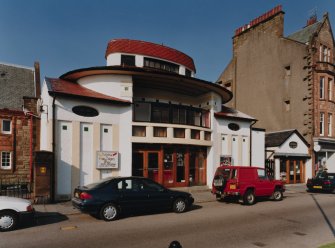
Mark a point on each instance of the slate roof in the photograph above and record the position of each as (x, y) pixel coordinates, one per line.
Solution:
(232, 113)
(305, 34)
(16, 82)
(149, 49)
(61, 87)
(276, 139)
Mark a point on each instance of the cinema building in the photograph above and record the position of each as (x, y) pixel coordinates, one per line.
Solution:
(144, 114)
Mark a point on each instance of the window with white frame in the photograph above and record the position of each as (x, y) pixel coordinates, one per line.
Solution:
(330, 89)
(6, 162)
(322, 124)
(325, 54)
(330, 124)
(322, 87)
(6, 126)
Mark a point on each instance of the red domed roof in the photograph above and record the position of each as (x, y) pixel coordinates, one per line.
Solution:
(149, 49)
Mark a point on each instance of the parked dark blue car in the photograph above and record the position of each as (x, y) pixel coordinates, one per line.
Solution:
(323, 181)
(109, 197)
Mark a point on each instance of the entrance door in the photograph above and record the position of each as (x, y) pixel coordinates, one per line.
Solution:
(145, 164)
(138, 162)
(292, 170)
(152, 166)
(181, 168)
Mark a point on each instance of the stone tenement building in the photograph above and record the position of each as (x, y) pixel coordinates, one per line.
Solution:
(286, 82)
(19, 125)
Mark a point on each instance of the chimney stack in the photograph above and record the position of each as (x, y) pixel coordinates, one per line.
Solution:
(37, 79)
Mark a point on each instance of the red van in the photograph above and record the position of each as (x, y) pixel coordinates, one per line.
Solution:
(247, 183)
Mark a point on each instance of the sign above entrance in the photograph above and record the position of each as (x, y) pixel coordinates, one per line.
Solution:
(107, 160)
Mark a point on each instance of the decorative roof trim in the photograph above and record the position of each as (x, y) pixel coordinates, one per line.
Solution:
(75, 75)
(149, 49)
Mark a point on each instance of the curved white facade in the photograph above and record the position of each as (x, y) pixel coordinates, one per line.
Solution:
(158, 130)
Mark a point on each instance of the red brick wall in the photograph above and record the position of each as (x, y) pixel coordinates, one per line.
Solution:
(22, 142)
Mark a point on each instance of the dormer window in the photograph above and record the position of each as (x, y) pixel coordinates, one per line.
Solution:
(127, 60)
(161, 65)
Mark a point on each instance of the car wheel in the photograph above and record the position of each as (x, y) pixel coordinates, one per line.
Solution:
(277, 195)
(8, 221)
(218, 197)
(109, 212)
(249, 198)
(179, 205)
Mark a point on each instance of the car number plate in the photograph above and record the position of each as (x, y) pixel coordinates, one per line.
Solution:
(232, 186)
(218, 182)
(317, 187)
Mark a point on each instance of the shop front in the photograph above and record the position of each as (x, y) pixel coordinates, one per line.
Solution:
(288, 153)
(292, 169)
(170, 165)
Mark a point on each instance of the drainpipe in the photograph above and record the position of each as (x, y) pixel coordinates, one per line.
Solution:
(52, 184)
(31, 149)
(250, 149)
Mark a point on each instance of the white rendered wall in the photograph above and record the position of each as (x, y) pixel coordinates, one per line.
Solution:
(258, 148)
(119, 86)
(114, 59)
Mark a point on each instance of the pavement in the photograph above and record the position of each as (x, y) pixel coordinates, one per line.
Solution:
(201, 194)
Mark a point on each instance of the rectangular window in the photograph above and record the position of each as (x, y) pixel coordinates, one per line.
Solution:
(188, 73)
(322, 124)
(161, 65)
(320, 53)
(208, 135)
(142, 111)
(6, 126)
(160, 132)
(179, 132)
(128, 60)
(330, 124)
(6, 162)
(195, 134)
(205, 122)
(160, 113)
(325, 53)
(330, 89)
(139, 131)
(322, 87)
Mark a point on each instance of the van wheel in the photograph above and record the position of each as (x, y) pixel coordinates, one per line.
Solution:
(249, 197)
(218, 197)
(277, 195)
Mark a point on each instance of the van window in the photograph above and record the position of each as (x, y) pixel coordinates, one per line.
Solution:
(261, 174)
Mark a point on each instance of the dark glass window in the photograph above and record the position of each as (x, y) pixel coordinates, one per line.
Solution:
(162, 65)
(160, 113)
(188, 73)
(128, 60)
(85, 111)
(171, 113)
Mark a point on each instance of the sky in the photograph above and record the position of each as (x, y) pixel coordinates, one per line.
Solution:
(64, 35)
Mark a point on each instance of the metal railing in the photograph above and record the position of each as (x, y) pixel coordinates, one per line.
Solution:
(15, 188)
